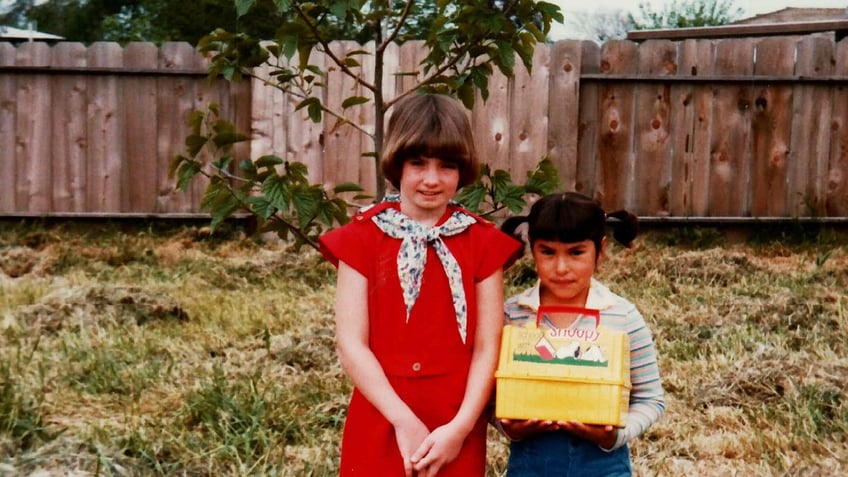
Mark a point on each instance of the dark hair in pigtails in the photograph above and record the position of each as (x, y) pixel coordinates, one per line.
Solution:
(511, 224)
(572, 217)
(625, 228)
(510, 227)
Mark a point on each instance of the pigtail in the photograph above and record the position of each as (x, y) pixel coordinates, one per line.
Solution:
(510, 227)
(511, 224)
(625, 227)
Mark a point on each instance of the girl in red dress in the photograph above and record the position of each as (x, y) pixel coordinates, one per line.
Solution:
(419, 305)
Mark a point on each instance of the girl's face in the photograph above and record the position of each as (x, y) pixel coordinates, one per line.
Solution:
(565, 270)
(427, 184)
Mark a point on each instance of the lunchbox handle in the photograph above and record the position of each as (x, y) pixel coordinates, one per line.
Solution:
(548, 309)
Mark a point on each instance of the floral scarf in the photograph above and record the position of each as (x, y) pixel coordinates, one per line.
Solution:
(412, 256)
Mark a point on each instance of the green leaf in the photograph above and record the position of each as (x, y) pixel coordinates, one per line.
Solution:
(186, 172)
(268, 161)
(297, 171)
(247, 166)
(339, 9)
(242, 6)
(195, 120)
(314, 69)
(315, 112)
(340, 213)
(277, 190)
(261, 206)
(306, 202)
(306, 102)
(228, 138)
(223, 164)
(501, 184)
(544, 179)
(283, 5)
(513, 199)
(472, 195)
(176, 162)
(466, 94)
(219, 200)
(194, 144)
(223, 210)
(347, 187)
(353, 101)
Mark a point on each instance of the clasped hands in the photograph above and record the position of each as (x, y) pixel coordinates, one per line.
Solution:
(424, 453)
(602, 435)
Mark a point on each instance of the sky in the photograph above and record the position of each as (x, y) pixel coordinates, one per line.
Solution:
(751, 8)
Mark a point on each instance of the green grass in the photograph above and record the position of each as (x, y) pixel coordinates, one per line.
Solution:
(139, 349)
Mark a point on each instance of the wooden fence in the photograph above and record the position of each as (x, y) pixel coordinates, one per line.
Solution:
(733, 129)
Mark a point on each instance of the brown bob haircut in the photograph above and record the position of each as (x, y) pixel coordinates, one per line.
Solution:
(429, 125)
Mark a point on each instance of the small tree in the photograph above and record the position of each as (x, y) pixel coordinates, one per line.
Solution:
(465, 41)
(686, 14)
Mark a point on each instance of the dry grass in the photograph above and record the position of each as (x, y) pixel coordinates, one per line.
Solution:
(130, 349)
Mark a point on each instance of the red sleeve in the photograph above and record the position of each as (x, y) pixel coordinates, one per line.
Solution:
(499, 250)
(347, 244)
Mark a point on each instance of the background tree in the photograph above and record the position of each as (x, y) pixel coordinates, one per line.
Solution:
(465, 40)
(156, 21)
(685, 14)
(601, 26)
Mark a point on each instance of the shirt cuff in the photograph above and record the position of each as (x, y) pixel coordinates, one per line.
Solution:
(620, 440)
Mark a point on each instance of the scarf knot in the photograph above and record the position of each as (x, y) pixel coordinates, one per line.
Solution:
(412, 257)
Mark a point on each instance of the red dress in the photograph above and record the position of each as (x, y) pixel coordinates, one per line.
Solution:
(425, 359)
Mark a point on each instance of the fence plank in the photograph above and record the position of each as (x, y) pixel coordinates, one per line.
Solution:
(586, 174)
(34, 128)
(836, 194)
(342, 142)
(304, 137)
(615, 153)
(771, 124)
(232, 101)
(563, 109)
(412, 53)
(529, 114)
(691, 125)
(70, 147)
(730, 149)
(106, 180)
(652, 126)
(8, 132)
(364, 115)
(266, 116)
(139, 98)
(174, 98)
(807, 168)
(490, 121)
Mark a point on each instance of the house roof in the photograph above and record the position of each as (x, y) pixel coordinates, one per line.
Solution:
(788, 21)
(18, 34)
(793, 14)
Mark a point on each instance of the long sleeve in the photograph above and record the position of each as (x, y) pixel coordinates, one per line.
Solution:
(647, 398)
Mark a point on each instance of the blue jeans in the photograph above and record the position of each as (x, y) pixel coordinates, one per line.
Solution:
(559, 454)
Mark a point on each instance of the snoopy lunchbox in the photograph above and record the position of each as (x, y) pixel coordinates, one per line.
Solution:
(567, 367)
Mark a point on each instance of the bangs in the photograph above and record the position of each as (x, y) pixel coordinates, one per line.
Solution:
(568, 224)
(439, 141)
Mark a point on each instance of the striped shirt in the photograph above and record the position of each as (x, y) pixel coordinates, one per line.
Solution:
(647, 401)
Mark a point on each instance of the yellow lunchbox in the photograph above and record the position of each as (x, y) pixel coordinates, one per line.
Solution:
(564, 373)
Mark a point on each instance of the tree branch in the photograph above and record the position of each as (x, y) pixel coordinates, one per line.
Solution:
(404, 15)
(303, 95)
(326, 46)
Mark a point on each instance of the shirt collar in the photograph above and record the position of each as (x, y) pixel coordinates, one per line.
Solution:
(600, 297)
